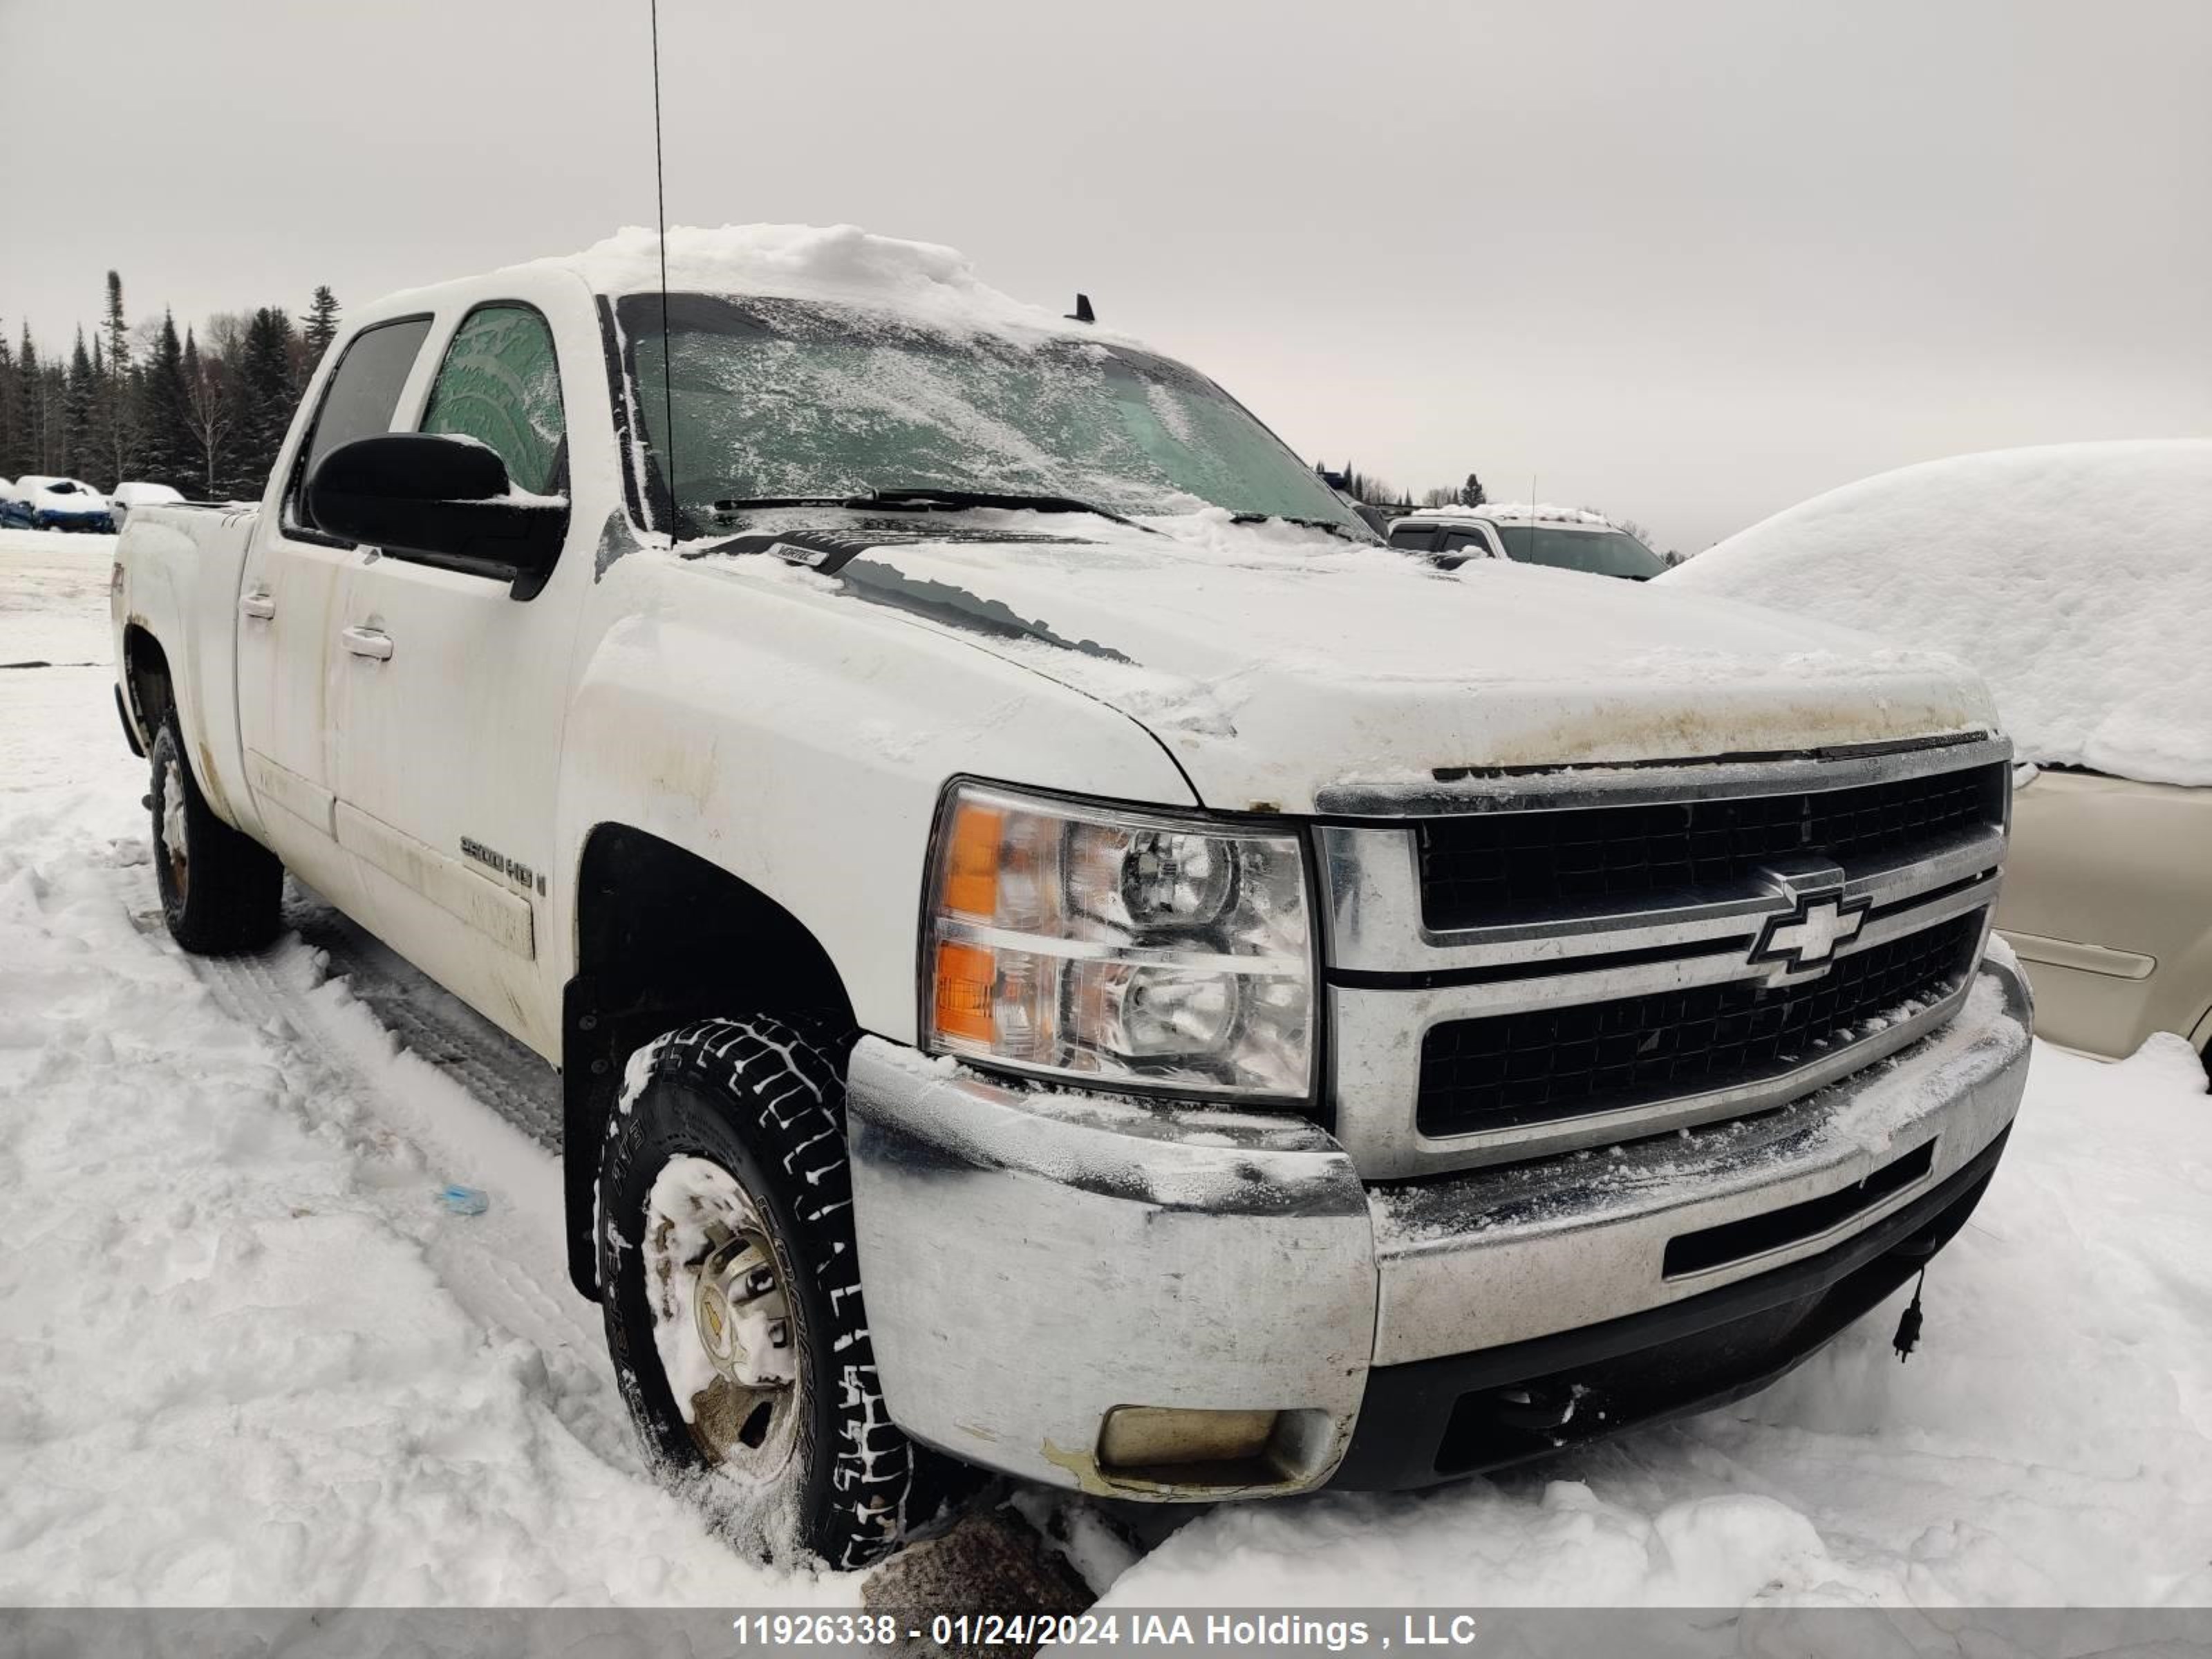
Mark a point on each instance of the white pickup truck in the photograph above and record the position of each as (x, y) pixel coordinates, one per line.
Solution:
(979, 825)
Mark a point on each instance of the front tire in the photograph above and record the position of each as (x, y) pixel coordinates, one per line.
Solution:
(222, 892)
(730, 1284)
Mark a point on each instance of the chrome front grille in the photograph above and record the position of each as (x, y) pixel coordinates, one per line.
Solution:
(1542, 1065)
(1497, 867)
(1523, 965)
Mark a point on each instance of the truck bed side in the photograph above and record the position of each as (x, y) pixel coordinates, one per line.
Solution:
(175, 611)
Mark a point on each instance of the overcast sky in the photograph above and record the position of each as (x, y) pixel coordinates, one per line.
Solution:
(1685, 262)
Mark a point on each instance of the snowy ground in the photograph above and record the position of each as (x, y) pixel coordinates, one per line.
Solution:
(245, 1357)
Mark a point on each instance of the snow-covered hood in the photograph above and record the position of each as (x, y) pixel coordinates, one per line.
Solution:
(1276, 663)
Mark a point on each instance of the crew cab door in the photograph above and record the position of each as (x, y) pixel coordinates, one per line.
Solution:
(454, 694)
(288, 621)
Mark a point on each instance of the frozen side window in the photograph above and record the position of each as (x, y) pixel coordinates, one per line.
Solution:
(361, 398)
(1602, 553)
(501, 385)
(1422, 538)
(1469, 541)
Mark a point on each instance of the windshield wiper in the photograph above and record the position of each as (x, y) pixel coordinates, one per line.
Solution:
(921, 498)
(1330, 526)
(741, 503)
(925, 496)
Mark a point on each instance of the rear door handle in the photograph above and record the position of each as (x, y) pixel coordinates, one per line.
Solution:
(367, 642)
(259, 606)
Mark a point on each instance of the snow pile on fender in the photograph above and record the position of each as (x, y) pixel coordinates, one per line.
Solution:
(2076, 578)
(810, 262)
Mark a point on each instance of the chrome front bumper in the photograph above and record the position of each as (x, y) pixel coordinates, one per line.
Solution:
(1034, 1258)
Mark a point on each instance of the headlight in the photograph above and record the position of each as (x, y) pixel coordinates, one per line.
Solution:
(1119, 948)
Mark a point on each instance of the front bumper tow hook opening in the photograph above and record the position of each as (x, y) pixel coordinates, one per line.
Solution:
(1537, 1411)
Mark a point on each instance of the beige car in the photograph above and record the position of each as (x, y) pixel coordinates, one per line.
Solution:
(2108, 900)
(2077, 579)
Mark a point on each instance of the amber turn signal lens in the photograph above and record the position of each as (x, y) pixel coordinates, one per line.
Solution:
(971, 863)
(965, 975)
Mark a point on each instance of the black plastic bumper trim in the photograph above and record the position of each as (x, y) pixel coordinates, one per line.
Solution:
(1416, 1423)
(1738, 1241)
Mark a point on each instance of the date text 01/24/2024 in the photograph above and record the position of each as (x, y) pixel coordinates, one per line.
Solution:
(1269, 1633)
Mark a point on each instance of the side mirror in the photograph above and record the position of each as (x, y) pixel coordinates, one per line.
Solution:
(444, 500)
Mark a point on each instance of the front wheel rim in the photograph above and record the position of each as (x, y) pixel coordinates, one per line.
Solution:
(725, 1320)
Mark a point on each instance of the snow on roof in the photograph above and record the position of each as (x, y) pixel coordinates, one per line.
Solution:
(841, 263)
(1522, 513)
(2076, 578)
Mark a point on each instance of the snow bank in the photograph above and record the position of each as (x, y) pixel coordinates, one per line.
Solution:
(812, 262)
(2076, 578)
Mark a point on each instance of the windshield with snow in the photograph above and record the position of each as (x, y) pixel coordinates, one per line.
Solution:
(1604, 553)
(780, 398)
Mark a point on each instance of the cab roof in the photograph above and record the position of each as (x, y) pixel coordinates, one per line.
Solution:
(836, 264)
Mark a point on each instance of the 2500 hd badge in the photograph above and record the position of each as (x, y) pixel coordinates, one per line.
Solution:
(499, 864)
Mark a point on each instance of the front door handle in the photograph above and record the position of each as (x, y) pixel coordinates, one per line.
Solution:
(259, 606)
(367, 642)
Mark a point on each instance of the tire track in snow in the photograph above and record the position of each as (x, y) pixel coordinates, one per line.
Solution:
(432, 1023)
(378, 1084)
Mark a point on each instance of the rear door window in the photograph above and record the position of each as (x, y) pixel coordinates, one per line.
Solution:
(359, 402)
(501, 385)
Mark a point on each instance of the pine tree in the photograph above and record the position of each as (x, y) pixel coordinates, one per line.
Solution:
(34, 443)
(322, 327)
(80, 414)
(118, 391)
(11, 415)
(54, 416)
(266, 396)
(1470, 493)
(115, 330)
(164, 415)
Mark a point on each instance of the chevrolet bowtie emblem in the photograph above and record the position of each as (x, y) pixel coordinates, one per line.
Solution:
(1812, 933)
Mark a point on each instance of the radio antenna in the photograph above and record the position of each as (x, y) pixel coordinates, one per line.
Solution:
(660, 213)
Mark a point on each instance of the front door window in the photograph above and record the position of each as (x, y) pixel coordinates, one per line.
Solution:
(500, 384)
